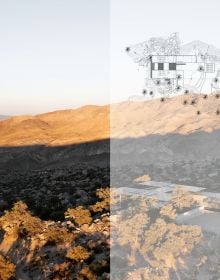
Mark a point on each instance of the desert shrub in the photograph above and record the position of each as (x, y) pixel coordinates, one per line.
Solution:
(103, 193)
(78, 253)
(7, 268)
(20, 207)
(32, 225)
(18, 219)
(56, 234)
(79, 215)
(166, 243)
(131, 229)
(162, 243)
(104, 204)
(86, 273)
(182, 198)
(168, 211)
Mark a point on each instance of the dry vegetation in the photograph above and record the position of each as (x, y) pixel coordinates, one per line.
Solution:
(78, 253)
(7, 269)
(147, 243)
(79, 215)
(35, 249)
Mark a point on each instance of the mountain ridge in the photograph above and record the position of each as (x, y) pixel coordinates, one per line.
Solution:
(120, 120)
(201, 46)
(4, 117)
(56, 128)
(171, 116)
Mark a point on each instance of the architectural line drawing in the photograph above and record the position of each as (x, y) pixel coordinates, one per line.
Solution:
(174, 69)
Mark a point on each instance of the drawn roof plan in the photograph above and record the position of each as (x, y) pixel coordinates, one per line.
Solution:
(173, 68)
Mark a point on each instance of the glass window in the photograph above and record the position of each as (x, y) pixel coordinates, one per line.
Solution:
(160, 66)
(172, 66)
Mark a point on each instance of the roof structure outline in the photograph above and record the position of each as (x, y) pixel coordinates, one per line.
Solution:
(173, 68)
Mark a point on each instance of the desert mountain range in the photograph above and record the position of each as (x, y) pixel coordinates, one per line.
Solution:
(169, 141)
(128, 119)
(140, 119)
(3, 117)
(88, 123)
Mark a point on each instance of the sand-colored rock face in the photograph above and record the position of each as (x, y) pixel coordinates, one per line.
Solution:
(85, 124)
(122, 120)
(138, 119)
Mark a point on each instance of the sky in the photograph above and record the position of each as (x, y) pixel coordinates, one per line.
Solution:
(63, 54)
(135, 21)
(53, 55)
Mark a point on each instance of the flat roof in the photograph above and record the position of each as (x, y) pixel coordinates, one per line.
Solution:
(167, 186)
(157, 192)
(209, 221)
(126, 190)
(211, 194)
(162, 190)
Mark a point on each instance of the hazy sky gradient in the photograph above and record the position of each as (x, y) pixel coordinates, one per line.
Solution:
(53, 54)
(134, 21)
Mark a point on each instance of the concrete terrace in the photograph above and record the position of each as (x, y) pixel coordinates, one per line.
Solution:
(208, 220)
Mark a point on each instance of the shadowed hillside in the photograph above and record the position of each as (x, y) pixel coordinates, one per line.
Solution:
(95, 153)
(192, 159)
